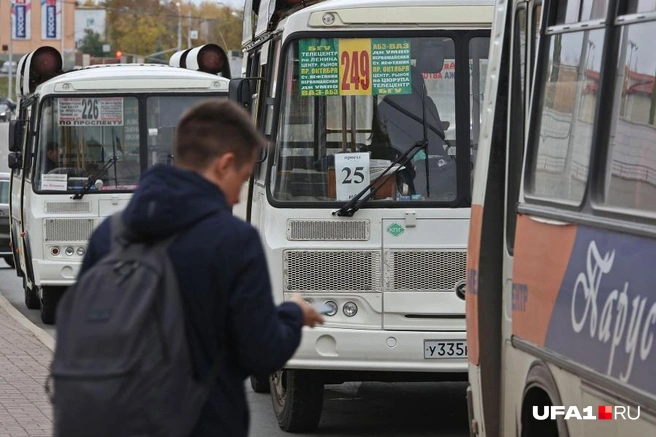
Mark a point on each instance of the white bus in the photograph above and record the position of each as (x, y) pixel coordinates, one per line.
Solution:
(78, 147)
(372, 109)
(561, 303)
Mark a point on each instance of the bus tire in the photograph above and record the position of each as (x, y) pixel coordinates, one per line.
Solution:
(541, 390)
(32, 301)
(297, 397)
(49, 301)
(260, 385)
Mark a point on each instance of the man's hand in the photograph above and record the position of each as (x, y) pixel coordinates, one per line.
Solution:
(311, 317)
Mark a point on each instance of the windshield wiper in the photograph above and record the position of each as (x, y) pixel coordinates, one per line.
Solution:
(94, 178)
(353, 205)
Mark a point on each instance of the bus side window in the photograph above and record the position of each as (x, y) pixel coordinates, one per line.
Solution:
(272, 84)
(565, 97)
(268, 98)
(516, 121)
(29, 139)
(631, 168)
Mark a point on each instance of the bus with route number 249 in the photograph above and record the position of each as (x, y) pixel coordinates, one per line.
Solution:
(561, 289)
(372, 110)
(78, 146)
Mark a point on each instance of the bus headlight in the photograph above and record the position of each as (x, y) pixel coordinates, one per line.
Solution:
(69, 251)
(333, 308)
(81, 251)
(350, 309)
(54, 251)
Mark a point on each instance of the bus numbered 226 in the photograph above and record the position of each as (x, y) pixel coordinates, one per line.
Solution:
(78, 146)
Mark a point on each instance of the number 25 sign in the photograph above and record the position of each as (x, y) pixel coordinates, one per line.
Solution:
(351, 174)
(355, 67)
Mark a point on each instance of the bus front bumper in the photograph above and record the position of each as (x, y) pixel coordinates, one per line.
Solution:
(328, 348)
(55, 273)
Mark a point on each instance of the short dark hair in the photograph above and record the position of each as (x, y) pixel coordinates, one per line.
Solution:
(52, 146)
(213, 128)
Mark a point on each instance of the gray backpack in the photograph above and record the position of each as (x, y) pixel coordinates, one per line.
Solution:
(122, 365)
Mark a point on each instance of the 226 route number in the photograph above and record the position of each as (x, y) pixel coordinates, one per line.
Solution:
(90, 110)
(442, 349)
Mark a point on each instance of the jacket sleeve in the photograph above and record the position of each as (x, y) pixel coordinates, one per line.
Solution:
(264, 336)
(98, 246)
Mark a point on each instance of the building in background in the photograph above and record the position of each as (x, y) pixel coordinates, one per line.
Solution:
(35, 23)
(93, 18)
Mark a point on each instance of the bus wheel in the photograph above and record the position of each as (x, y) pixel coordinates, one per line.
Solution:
(49, 301)
(32, 300)
(541, 392)
(297, 397)
(260, 385)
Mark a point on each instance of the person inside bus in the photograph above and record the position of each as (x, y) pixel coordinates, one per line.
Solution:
(53, 156)
(403, 117)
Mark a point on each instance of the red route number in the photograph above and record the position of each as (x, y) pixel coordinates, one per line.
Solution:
(356, 70)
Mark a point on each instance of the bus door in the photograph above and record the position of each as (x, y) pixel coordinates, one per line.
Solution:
(424, 245)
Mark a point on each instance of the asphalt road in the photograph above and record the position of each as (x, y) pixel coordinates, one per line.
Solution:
(350, 410)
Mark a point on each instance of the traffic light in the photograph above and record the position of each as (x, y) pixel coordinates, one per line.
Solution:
(119, 55)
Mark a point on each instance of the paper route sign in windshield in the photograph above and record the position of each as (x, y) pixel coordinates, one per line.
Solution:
(354, 67)
(94, 111)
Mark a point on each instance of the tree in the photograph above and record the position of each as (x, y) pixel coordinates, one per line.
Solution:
(142, 27)
(137, 26)
(91, 43)
(223, 25)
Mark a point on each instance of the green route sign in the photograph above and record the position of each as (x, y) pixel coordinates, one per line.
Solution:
(354, 66)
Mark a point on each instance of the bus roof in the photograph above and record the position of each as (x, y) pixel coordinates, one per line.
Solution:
(411, 14)
(343, 4)
(132, 78)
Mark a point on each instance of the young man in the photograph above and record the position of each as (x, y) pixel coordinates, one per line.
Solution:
(218, 259)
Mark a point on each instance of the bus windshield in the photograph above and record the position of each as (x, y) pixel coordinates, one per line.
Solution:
(351, 106)
(105, 137)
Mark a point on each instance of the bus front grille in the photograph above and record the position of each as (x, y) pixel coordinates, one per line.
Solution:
(328, 230)
(68, 229)
(68, 207)
(424, 270)
(332, 271)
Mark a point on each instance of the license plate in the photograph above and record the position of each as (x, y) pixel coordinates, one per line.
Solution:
(434, 349)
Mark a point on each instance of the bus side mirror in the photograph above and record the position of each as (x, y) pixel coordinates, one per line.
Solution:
(15, 160)
(16, 135)
(239, 91)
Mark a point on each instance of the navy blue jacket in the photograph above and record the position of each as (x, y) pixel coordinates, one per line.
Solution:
(225, 287)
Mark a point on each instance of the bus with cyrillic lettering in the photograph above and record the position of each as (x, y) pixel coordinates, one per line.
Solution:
(561, 302)
(79, 144)
(372, 109)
